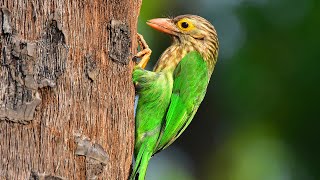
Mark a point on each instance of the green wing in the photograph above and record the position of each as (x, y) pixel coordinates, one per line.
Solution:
(190, 83)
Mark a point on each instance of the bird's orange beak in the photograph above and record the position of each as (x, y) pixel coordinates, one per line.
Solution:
(164, 25)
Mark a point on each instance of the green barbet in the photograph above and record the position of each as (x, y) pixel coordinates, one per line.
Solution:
(170, 95)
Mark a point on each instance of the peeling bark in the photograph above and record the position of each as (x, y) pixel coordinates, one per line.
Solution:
(66, 96)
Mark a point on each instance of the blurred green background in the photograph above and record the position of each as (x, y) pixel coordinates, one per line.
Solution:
(260, 117)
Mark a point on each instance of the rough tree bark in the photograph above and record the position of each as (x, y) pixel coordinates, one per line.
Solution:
(66, 96)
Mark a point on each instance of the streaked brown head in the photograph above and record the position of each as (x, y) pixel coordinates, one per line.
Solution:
(191, 32)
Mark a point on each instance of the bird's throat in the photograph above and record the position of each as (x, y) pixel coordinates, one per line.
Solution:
(171, 57)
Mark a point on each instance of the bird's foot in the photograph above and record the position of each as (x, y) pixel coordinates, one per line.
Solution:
(145, 52)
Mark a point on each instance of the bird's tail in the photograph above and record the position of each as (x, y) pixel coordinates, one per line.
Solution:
(141, 164)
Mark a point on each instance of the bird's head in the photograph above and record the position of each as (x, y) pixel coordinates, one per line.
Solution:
(190, 31)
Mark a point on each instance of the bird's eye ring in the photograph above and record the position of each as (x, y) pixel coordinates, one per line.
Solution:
(184, 25)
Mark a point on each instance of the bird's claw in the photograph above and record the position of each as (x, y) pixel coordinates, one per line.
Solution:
(144, 54)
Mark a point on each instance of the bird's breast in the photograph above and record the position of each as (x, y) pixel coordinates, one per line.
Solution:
(171, 57)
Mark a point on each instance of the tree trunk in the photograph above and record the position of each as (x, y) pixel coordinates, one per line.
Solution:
(66, 96)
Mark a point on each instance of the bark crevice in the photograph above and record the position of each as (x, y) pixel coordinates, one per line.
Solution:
(26, 67)
(119, 43)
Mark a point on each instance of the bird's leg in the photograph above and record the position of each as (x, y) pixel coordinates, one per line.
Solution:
(145, 52)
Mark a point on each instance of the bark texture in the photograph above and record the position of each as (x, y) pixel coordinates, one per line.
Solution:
(66, 96)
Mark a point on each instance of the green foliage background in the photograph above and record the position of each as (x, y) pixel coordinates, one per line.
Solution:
(260, 118)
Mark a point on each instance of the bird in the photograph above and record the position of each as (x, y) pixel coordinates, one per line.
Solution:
(171, 93)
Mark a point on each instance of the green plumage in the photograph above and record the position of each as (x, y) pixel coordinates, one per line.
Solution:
(187, 93)
(154, 89)
(170, 95)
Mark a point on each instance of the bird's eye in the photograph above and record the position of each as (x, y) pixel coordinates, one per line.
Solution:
(184, 25)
